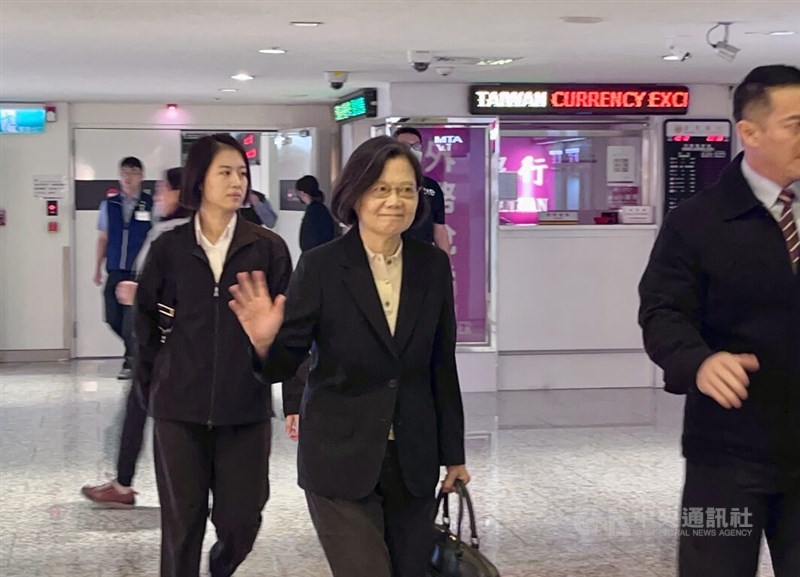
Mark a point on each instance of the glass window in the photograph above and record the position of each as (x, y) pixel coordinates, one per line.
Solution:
(588, 171)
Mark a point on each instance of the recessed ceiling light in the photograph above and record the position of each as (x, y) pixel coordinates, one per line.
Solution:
(298, 96)
(781, 33)
(228, 89)
(495, 61)
(307, 24)
(581, 19)
(272, 51)
(242, 77)
(676, 55)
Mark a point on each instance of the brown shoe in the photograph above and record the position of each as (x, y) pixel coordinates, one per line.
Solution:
(111, 494)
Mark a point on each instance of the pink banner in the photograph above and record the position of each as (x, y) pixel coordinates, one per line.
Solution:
(456, 158)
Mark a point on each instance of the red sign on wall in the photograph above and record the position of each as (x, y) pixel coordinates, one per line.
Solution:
(534, 99)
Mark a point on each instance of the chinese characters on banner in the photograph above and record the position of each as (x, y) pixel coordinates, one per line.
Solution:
(457, 159)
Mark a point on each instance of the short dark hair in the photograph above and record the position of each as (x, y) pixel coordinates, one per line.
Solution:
(310, 186)
(753, 92)
(131, 162)
(173, 177)
(408, 130)
(363, 169)
(201, 155)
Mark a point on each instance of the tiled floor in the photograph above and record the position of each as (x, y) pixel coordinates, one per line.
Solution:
(566, 483)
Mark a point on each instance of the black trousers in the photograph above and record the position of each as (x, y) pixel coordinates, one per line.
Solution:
(231, 462)
(758, 499)
(130, 444)
(387, 534)
(118, 316)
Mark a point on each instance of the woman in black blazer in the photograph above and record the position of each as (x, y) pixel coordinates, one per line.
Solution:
(382, 410)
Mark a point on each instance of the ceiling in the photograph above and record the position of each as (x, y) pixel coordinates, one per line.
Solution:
(186, 51)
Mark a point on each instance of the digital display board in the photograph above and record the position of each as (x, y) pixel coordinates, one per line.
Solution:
(538, 99)
(361, 104)
(22, 120)
(695, 154)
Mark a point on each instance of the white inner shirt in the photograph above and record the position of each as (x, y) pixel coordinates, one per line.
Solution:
(387, 271)
(216, 252)
(768, 192)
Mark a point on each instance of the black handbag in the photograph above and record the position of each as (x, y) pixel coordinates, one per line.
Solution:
(452, 557)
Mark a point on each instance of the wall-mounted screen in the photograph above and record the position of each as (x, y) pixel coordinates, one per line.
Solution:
(22, 120)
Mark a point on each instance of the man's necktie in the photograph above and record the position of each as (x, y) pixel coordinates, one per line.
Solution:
(789, 228)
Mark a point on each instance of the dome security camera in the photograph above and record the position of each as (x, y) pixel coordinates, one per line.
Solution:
(420, 60)
(336, 79)
(445, 70)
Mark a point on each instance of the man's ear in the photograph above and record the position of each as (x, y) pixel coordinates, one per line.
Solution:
(749, 133)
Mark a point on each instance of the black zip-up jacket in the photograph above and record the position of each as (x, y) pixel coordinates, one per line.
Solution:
(202, 372)
(720, 279)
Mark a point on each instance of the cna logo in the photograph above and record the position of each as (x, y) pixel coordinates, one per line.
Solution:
(444, 143)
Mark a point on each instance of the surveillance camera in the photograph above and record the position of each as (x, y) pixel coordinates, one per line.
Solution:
(726, 51)
(445, 70)
(420, 60)
(336, 79)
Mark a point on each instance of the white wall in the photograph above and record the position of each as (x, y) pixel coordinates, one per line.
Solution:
(35, 281)
(111, 115)
(34, 264)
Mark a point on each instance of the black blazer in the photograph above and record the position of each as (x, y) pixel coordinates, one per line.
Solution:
(720, 279)
(362, 378)
(203, 372)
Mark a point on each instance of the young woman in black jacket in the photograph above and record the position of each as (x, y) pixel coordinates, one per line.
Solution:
(212, 413)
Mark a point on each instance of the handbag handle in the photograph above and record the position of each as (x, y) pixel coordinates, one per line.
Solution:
(443, 502)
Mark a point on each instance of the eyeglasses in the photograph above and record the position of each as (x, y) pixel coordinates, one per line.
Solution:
(406, 192)
(417, 146)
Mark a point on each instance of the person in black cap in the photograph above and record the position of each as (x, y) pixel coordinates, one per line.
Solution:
(432, 227)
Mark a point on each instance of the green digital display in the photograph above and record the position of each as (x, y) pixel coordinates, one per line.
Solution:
(362, 104)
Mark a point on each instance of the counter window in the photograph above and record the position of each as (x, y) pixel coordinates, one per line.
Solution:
(588, 172)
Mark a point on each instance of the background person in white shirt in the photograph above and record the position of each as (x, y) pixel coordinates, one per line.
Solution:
(119, 491)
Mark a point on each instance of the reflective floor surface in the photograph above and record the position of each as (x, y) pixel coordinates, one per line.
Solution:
(581, 483)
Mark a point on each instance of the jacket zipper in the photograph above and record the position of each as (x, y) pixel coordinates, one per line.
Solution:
(216, 356)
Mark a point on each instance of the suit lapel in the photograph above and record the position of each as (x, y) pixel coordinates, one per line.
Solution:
(416, 281)
(361, 284)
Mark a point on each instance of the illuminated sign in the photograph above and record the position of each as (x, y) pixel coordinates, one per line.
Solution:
(444, 143)
(361, 104)
(534, 99)
(250, 143)
(22, 120)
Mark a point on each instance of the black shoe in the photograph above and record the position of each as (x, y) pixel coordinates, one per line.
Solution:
(126, 374)
(214, 562)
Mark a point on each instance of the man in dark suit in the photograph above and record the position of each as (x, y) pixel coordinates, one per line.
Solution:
(720, 310)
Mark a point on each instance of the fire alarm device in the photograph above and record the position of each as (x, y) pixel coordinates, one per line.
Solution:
(50, 113)
(52, 226)
(52, 208)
